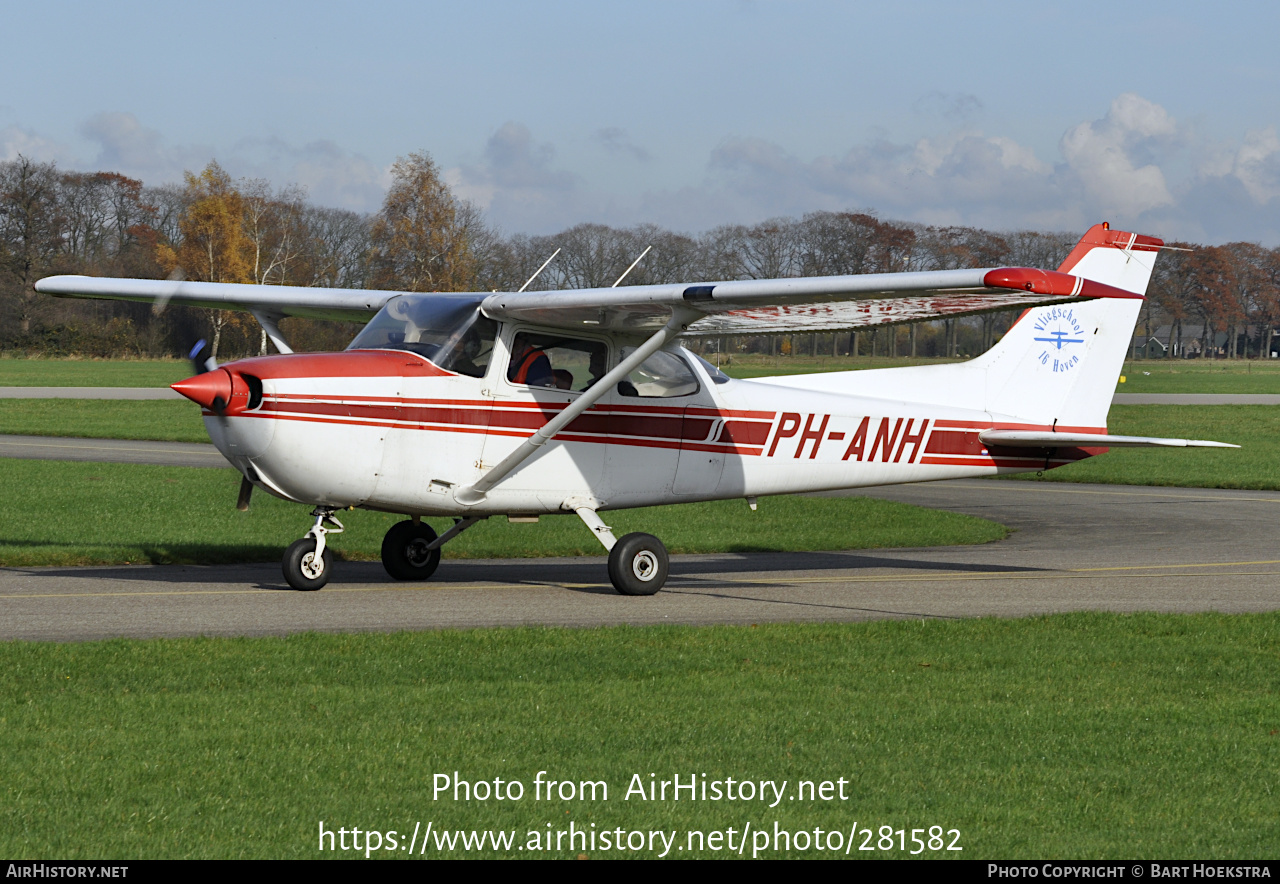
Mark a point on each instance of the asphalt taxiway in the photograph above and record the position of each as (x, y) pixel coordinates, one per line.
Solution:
(1075, 547)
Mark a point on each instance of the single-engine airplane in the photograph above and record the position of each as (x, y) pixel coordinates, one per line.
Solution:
(521, 404)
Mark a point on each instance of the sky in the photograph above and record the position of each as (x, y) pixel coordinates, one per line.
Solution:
(1162, 118)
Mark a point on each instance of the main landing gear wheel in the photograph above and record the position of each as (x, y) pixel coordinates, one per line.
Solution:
(405, 554)
(638, 564)
(303, 569)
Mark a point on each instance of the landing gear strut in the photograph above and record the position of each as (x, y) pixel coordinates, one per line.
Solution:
(638, 563)
(308, 563)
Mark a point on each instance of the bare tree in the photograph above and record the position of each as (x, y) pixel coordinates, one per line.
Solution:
(338, 247)
(31, 233)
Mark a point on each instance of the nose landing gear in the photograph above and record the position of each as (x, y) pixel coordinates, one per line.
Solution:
(308, 563)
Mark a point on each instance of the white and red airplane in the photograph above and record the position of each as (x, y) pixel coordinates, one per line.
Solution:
(531, 403)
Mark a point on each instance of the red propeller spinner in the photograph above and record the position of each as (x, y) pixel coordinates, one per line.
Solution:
(212, 389)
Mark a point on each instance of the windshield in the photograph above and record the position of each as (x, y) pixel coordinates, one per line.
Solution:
(447, 329)
(714, 373)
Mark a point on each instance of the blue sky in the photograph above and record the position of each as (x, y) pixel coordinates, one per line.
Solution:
(688, 115)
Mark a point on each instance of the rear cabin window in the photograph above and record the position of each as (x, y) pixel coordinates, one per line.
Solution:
(662, 376)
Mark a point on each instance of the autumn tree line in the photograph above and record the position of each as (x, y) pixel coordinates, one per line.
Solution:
(1219, 301)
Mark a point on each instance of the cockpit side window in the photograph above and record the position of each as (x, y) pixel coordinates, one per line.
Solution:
(447, 329)
(663, 375)
(557, 362)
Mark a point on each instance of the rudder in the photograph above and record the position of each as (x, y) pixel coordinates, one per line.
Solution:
(1058, 365)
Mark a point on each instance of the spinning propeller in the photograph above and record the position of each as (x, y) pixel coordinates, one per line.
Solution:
(212, 388)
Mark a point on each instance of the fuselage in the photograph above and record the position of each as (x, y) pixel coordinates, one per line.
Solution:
(390, 430)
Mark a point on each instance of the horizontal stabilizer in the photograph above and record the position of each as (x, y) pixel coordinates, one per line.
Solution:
(1030, 439)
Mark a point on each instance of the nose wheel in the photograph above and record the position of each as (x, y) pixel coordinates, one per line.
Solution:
(303, 569)
(308, 563)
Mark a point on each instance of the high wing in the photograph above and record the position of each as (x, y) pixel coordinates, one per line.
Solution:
(755, 306)
(823, 303)
(271, 300)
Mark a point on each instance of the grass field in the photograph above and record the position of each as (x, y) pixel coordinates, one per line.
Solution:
(1256, 464)
(1082, 736)
(85, 513)
(1201, 376)
(92, 372)
(164, 420)
(1085, 735)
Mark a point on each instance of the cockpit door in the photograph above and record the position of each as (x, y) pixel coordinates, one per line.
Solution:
(540, 373)
(701, 461)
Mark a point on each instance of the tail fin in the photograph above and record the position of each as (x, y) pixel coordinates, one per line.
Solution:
(1058, 365)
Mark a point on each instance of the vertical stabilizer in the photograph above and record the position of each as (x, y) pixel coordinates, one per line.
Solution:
(1058, 365)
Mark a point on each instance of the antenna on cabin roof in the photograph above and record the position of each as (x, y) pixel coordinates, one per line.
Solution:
(539, 270)
(632, 267)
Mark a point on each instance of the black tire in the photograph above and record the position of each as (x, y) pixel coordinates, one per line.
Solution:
(405, 554)
(299, 565)
(638, 564)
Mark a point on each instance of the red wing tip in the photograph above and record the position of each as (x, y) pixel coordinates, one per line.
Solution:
(1052, 283)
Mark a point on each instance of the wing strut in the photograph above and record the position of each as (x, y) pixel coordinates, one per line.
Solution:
(681, 319)
(268, 322)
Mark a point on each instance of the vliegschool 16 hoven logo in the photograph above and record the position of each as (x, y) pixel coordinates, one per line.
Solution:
(1061, 335)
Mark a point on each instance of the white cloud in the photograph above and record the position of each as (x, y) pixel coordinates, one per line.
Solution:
(1135, 166)
(331, 175)
(15, 141)
(518, 185)
(959, 178)
(1257, 165)
(1101, 154)
(1128, 167)
(615, 141)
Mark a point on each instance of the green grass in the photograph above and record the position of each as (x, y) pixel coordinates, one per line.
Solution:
(164, 420)
(1256, 464)
(92, 372)
(1078, 736)
(1201, 376)
(86, 513)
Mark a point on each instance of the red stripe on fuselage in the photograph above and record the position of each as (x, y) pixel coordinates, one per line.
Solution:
(597, 425)
(951, 442)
